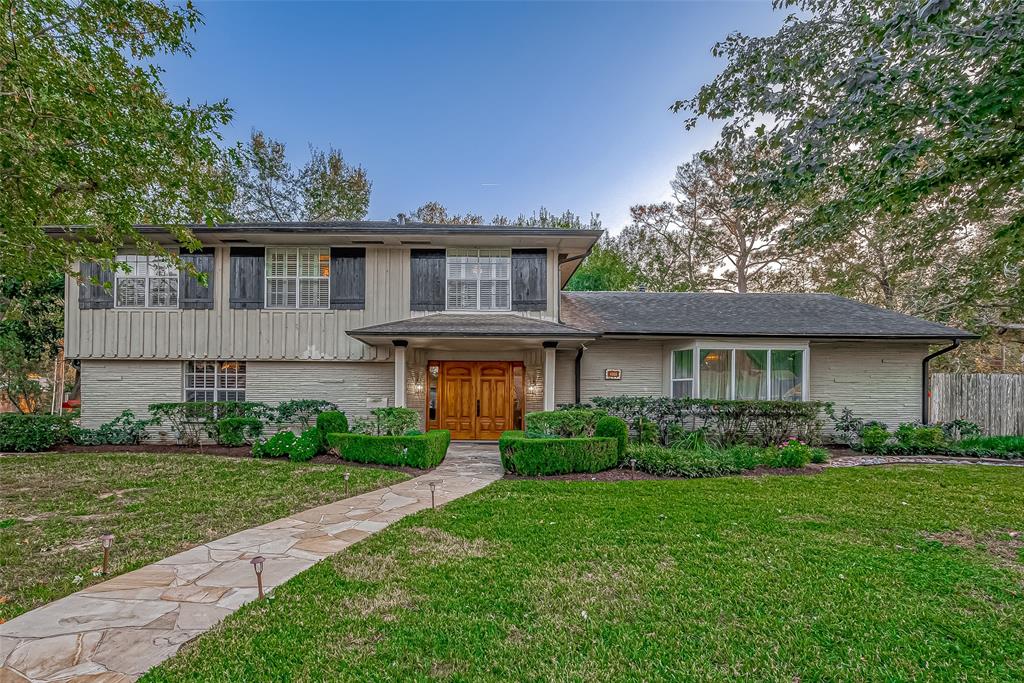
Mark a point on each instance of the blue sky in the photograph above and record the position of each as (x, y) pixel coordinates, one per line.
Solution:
(485, 107)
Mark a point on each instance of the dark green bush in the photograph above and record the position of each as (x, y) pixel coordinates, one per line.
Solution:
(330, 422)
(279, 445)
(30, 433)
(122, 430)
(793, 454)
(552, 455)
(238, 431)
(306, 446)
(675, 462)
(570, 423)
(873, 436)
(303, 411)
(616, 428)
(423, 450)
(387, 422)
(192, 419)
(919, 436)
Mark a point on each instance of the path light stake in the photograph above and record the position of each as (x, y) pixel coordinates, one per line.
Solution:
(433, 484)
(632, 468)
(346, 484)
(107, 540)
(257, 564)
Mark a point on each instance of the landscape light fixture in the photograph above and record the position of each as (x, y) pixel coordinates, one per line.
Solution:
(107, 540)
(346, 483)
(433, 485)
(257, 565)
(632, 468)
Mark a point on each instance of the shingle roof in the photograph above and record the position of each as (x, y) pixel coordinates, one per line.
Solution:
(760, 315)
(471, 325)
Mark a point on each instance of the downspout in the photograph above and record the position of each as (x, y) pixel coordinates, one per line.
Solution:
(579, 364)
(925, 376)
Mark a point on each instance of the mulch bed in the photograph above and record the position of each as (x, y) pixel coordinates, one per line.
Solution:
(624, 474)
(220, 451)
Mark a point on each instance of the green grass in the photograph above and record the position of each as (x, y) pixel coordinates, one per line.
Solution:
(855, 574)
(54, 507)
(1001, 444)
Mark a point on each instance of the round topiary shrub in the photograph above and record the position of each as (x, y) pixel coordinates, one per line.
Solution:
(330, 422)
(617, 429)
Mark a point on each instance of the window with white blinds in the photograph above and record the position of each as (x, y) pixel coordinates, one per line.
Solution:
(298, 277)
(479, 279)
(151, 282)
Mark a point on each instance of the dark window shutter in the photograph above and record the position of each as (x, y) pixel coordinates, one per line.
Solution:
(529, 279)
(348, 278)
(95, 295)
(426, 281)
(191, 294)
(247, 277)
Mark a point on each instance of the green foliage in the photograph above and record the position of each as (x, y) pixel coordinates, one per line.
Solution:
(267, 188)
(995, 446)
(387, 422)
(238, 431)
(873, 436)
(31, 433)
(793, 454)
(122, 430)
(91, 137)
(646, 431)
(604, 270)
(423, 451)
(302, 411)
(528, 456)
(679, 437)
(615, 428)
(31, 323)
(306, 446)
(277, 446)
(191, 420)
(959, 429)
(573, 422)
(910, 434)
(330, 422)
(725, 423)
(675, 462)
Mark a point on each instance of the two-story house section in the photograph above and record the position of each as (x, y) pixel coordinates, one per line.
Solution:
(467, 324)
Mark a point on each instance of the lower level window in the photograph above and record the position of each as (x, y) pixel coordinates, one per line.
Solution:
(209, 380)
(744, 374)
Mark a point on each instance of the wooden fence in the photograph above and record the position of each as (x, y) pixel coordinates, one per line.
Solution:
(996, 402)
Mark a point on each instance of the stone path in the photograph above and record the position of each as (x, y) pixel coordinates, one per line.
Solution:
(115, 631)
(864, 459)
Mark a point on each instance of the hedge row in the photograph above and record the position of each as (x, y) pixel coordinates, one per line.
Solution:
(419, 450)
(532, 456)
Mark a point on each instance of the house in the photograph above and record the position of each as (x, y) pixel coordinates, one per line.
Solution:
(469, 325)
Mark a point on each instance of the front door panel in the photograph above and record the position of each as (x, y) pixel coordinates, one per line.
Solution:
(476, 398)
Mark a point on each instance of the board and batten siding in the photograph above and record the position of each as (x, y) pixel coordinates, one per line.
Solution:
(263, 334)
(876, 380)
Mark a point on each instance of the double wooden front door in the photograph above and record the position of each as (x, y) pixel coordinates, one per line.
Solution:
(475, 398)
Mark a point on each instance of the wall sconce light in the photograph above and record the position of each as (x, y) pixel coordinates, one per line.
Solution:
(257, 565)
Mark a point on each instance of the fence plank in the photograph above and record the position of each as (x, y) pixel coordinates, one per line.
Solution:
(995, 402)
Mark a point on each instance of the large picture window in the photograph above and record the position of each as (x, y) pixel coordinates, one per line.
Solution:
(298, 277)
(152, 282)
(209, 380)
(479, 279)
(723, 373)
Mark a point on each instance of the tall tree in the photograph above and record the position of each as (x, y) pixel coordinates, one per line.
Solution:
(716, 233)
(268, 189)
(88, 136)
(436, 212)
(899, 113)
(31, 323)
(604, 270)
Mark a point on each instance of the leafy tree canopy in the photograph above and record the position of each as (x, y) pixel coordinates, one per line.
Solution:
(89, 137)
(436, 212)
(268, 189)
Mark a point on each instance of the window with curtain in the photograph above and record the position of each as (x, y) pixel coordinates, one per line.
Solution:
(715, 373)
(210, 380)
(751, 374)
(682, 373)
(298, 277)
(479, 279)
(787, 375)
(152, 282)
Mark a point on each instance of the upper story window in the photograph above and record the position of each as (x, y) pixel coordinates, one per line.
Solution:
(298, 277)
(479, 279)
(152, 282)
(747, 374)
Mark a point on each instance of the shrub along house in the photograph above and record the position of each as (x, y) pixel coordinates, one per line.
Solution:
(467, 324)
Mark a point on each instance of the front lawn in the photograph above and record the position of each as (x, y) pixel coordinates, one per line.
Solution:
(854, 574)
(54, 507)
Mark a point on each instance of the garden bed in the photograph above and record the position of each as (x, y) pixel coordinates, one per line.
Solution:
(625, 474)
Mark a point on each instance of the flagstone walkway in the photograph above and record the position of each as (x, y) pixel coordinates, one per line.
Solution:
(115, 631)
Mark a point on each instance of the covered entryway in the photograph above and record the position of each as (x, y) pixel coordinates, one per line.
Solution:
(476, 399)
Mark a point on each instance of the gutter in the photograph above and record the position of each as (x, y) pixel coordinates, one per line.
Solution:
(926, 375)
(579, 365)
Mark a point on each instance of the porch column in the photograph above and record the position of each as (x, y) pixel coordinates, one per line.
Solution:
(400, 345)
(549, 374)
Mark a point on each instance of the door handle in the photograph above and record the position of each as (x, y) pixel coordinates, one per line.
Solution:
(478, 407)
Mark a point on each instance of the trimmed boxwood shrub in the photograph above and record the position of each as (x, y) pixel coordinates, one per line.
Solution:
(30, 433)
(421, 450)
(616, 428)
(331, 422)
(238, 431)
(539, 456)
